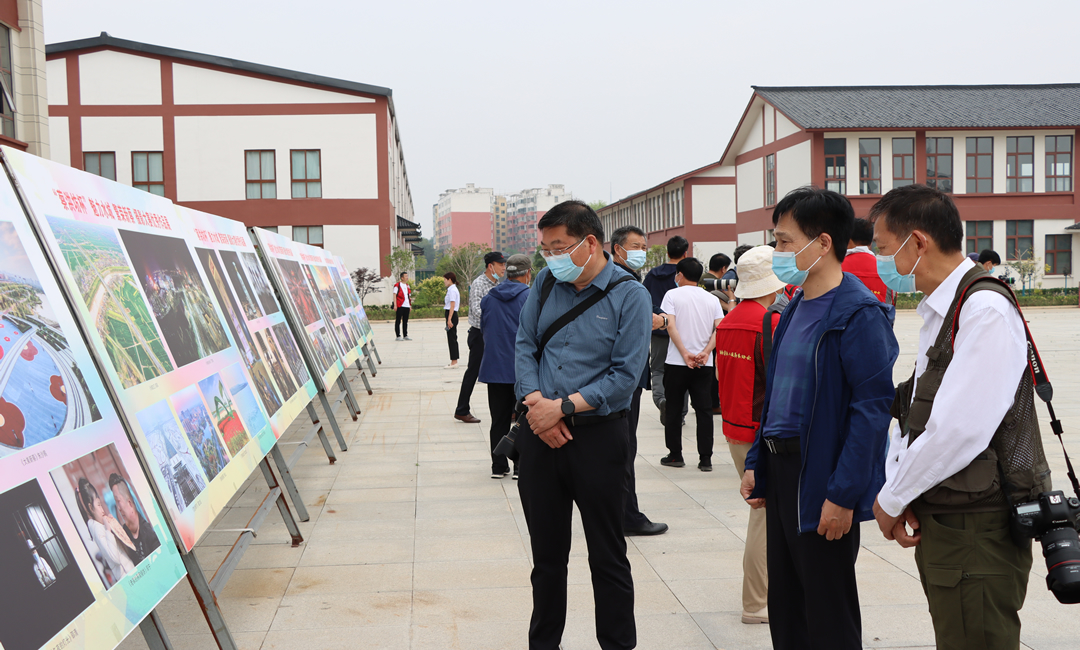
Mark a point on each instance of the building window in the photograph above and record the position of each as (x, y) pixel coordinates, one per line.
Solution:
(308, 235)
(7, 116)
(869, 166)
(939, 172)
(980, 165)
(1020, 163)
(102, 163)
(1059, 163)
(903, 160)
(306, 174)
(1019, 239)
(147, 172)
(1059, 255)
(980, 236)
(270, 228)
(770, 179)
(261, 175)
(836, 165)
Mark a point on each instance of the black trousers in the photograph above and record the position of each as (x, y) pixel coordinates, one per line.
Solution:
(451, 334)
(468, 382)
(813, 597)
(633, 518)
(678, 381)
(501, 404)
(401, 318)
(590, 471)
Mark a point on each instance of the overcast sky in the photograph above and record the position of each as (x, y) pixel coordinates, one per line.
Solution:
(607, 98)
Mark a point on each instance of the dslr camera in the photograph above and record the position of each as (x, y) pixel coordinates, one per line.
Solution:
(1053, 520)
(714, 284)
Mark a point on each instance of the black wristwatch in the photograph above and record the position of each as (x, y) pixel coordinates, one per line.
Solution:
(567, 406)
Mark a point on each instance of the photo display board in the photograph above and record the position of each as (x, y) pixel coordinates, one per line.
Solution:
(85, 552)
(352, 301)
(335, 303)
(306, 288)
(131, 273)
(256, 322)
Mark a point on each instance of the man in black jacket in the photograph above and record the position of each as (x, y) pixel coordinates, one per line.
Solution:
(659, 281)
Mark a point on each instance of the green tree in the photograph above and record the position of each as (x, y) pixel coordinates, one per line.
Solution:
(429, 293)
(367, 281)
(597, 205)
(466, 261)
(538, 261)
(656, 256)
(1028, 268)
(400, 261)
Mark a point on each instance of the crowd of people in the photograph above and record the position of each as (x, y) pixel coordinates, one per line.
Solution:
(791, 346)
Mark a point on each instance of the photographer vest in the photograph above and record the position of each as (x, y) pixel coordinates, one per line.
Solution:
(1015, 454)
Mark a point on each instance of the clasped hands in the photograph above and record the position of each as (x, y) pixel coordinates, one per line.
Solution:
(546, 420)
(695, 360)
(895, 528)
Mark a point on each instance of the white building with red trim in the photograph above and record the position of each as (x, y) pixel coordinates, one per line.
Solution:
(1005, 153)
(319, 159)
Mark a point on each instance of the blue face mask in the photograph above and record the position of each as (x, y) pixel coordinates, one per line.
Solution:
(886, 268)
(496, 276)
(563, 268)
(634, 259)
(786, 268)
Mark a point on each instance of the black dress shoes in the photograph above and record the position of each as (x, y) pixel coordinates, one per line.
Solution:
(651, 528)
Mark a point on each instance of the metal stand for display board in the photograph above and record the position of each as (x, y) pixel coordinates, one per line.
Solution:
(363, 376)
(367, 355)
(207, 592)
(153, 632)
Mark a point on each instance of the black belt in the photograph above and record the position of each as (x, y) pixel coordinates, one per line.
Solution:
(782, 445)
(586, 420)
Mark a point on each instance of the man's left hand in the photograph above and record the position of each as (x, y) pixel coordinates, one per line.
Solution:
(657, 321)
(835, 521)
(543, 413)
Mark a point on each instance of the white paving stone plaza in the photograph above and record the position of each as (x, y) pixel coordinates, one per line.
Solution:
(412, 545)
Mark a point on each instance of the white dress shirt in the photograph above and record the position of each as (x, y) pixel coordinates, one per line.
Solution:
(990, 355)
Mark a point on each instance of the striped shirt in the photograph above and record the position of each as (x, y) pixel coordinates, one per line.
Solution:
(477, 290)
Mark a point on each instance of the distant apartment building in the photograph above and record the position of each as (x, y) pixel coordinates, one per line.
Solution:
(524, 209)
(463, 215)
(500, 235)
(317, 159)
(24, 110)
(1006, 154)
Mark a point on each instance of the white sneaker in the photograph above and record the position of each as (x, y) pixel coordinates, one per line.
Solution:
(407, 338)
(451, 365)
(756, 617)
(399, 339)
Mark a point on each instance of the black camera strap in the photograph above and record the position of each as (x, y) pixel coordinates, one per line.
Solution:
(1043, 388)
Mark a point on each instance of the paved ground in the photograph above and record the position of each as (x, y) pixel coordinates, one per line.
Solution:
(411, 545)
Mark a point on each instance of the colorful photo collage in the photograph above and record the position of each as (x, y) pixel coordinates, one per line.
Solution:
(253, 316)
(352, 300)
(307, 288)
(153, 311)
(54, 413)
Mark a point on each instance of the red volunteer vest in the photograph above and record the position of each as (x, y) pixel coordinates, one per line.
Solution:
(864, 266)
(742, 377)
(399, 296)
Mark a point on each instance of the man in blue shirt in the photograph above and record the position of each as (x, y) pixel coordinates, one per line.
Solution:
(574, 443)
(818, 459)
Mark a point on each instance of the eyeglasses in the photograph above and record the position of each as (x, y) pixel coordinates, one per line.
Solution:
(560, 251)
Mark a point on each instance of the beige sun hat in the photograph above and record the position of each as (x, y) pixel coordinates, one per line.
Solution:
(756, 277)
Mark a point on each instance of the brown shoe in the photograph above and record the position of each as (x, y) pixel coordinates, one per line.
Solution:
(467, 418)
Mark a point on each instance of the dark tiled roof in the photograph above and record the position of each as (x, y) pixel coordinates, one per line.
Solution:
(1075, 226)
(110, 42)
(405, 224)
(891, 107)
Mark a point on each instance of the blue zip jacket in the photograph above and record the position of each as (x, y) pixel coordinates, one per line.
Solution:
(847, 414)
(500, 311)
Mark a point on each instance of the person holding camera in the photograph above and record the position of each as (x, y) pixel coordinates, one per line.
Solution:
(964, 449)
(818, 459)
(740, 359)
(579, 355)
(499, 325)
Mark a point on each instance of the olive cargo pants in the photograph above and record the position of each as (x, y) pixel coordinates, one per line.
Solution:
(975, 579)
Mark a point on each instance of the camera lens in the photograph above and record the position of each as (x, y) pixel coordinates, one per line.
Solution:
(1061, 548)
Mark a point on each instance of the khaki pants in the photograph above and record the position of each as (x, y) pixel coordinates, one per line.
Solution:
(755, 591)
(975, 579)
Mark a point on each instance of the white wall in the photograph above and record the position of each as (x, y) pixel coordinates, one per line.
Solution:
(193, 85)
(754, 238)
(210, 153)
(750, 181)
(61, 140)
(122, 135)
(471, 201)
(112, 78)
(713, 204)
(770, 125)
(703, 250)
(785, 127)
(56, 80)
(718, 171)
(753, 130)
(357, 245)
(792, 168)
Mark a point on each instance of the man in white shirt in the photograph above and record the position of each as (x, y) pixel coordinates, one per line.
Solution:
(693, 315)
(403, 302)
(954, 443)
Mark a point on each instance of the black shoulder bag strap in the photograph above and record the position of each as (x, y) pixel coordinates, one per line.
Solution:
(767, 333)
(569, 316)
(1043, 388)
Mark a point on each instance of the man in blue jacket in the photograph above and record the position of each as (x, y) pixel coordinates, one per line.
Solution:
(500, 311)
(818, 459)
